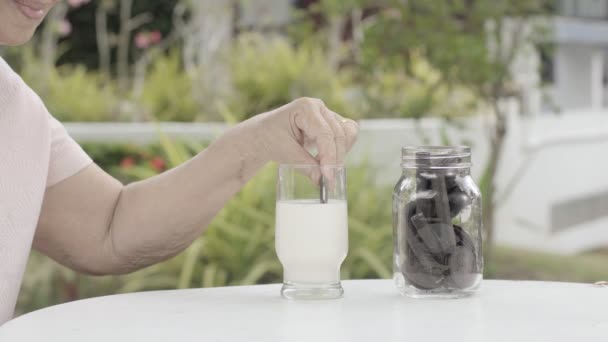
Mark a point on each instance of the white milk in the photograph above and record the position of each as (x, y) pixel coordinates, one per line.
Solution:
(311, 240)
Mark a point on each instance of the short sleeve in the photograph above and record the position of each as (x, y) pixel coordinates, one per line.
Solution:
(67, 157)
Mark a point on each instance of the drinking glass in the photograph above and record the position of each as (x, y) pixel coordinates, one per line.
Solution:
(311, 237)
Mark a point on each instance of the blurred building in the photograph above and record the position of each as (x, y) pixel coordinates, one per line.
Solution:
(581, 42)
(568, 71)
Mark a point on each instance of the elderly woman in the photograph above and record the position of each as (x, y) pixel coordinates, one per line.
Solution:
(52, 196)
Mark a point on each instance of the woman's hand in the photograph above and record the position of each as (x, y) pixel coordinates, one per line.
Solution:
(288, 133)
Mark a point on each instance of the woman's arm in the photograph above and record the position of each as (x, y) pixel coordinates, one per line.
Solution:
(92, 223)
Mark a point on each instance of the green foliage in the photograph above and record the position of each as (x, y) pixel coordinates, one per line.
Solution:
(168, 92)
(416, 58)
(337, 7)
(394, 93)
(266, 72)
(269, 73)
(70, 91)
(127, 163)
(67, 91)
(518, 264)
(74, 91)
(452, 36)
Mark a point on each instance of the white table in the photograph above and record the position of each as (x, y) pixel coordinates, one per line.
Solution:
(370, 311)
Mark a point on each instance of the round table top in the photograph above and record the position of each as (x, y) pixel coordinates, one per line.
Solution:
(371, 310)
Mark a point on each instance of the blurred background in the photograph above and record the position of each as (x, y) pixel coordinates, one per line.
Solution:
(145, 85)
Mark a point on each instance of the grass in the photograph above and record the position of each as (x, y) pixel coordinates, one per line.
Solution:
(519, 264)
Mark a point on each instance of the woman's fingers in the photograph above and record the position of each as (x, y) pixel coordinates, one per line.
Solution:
(351, 130)
(334, 121)
(314, 126)
(302, 157)
(311, 121)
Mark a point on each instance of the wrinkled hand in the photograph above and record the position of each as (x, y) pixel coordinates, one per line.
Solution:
(290, 132)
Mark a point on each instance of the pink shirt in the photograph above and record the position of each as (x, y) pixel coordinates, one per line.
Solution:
(35, 153)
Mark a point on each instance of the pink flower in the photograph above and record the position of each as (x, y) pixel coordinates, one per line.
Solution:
(127, 162)
(142, 40)
(158, 164)
(77, 3)
(146, 39)
(64, 28)
(155, 37)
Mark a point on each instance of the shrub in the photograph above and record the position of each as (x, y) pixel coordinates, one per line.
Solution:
(70, 92)
(269, 73)
(168, 93)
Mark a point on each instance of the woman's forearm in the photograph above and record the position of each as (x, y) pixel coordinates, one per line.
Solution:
(92, 223)
(157, 218)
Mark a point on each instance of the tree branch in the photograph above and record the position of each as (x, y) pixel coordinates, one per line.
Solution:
(139, 20)
(124, 44)
(103, 44)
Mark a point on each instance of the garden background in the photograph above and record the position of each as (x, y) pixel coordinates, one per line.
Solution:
(225, 61)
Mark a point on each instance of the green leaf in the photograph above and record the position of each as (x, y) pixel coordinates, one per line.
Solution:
(374, 262)
(190, 262)
(258, 271)
(176, 153)
(139, 172)
(148, 283)
(210, 276)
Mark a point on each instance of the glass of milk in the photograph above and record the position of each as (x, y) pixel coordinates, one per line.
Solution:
(311, 236)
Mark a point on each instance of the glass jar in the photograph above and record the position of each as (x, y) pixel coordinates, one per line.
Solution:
(437, 224)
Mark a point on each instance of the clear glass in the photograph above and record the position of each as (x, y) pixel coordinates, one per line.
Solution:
(311, 237)
(437, 224)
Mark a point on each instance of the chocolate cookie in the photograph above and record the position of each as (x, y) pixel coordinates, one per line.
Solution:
(421, 267)
(432, 261)
(457, 200)
(463, 264)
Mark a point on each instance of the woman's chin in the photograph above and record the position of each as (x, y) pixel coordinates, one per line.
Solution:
(17, 38)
